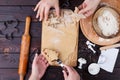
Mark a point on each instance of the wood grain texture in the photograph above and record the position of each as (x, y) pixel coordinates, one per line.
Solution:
(10, 49)
(16, 2)
(14, 45)
(35, 30)
(11, 74)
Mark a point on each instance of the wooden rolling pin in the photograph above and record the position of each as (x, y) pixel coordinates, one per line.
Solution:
(24, 52)
(110, 46)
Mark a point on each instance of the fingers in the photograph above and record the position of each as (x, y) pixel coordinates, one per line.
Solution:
(57, 10)
(47, 12)
(84, 5)
(69, 69)
(43, 60)
(43, 9)
(37, 6)
(84, 10)
(80, 7)
(38, 12)
(64, 74)
(35, 58)
(42, 13)
(87, 14)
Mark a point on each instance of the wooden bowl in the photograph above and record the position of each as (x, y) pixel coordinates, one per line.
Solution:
(100, 13)
(86, 26)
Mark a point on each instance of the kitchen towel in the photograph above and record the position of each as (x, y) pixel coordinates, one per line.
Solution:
(108, 59)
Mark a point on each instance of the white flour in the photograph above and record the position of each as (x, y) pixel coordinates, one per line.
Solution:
(108, 23)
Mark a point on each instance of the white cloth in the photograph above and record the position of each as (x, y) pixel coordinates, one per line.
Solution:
(110, 56)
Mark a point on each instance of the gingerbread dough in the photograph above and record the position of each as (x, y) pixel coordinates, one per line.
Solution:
(51, 55)
(61, 35)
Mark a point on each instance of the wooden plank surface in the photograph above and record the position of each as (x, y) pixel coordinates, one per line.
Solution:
(16, 12)
(14, 45)
(33, 2)
(35, 30)
(16, 2)
(12, 59)
(12, 10)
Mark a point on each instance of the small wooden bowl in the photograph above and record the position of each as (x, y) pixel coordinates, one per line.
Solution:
(100, 12)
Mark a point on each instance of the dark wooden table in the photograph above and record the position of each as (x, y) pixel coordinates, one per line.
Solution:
(12, 22)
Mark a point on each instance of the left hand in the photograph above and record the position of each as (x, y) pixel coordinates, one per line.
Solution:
(43, 8)
(39, 67)
(88, 7)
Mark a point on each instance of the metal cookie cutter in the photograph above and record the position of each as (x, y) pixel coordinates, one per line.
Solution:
(61, 64)
(10, 26)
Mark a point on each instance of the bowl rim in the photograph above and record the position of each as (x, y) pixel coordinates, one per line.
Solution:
(99, 12)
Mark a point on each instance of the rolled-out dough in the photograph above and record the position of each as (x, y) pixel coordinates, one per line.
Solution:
(61, 35)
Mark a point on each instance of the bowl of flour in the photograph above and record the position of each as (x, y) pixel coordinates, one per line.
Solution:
(106, 22)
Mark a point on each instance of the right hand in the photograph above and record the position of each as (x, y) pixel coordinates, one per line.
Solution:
(88, 7)
(44, 6)
(71, 74)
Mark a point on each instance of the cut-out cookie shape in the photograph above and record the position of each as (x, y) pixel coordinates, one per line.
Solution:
(8, 28)
(51, 55)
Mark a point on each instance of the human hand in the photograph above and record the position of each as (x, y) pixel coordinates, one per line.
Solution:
(88, 7)
(71, 74)
(44, 6)
(39, 67)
